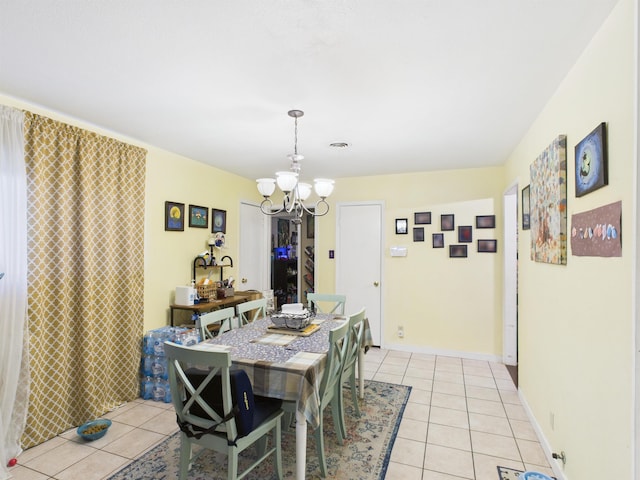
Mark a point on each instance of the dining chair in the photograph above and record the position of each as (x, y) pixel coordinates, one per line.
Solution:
(356, 338)
(335, 303)
(249, 311)
(212, 323)
(208, 415)
(338, 345)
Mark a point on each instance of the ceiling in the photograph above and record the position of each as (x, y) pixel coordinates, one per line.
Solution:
(411, 85)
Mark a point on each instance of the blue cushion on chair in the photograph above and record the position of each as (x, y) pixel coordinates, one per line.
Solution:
(252, 411)
(264, 408)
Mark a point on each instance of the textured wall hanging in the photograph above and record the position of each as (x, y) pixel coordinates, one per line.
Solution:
(548, 199)
(596, 233)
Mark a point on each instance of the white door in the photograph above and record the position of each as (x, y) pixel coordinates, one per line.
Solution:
(253, 264)
(359, 260)
(510, 287)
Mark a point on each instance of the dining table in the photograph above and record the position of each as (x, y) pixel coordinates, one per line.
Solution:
(288, 365)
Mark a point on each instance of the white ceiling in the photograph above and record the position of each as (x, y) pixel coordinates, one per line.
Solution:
(411, 85)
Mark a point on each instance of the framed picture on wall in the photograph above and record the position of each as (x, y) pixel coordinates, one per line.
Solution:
(418, 234)
(402, 226)
(526, 208)
(591, 161)
(422, 218)
(438, 240)
(457, 251)
(218, 221)
(447, 222)
(485, 221)
(488, 246)
(174, 216)
(464, 234)
(198, 216)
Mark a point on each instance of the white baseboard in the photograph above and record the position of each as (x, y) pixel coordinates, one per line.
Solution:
(555, 464)
(446, 353)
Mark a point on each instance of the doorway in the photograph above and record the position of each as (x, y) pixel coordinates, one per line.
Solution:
(359, 260)
(292, 258)
(510, 282)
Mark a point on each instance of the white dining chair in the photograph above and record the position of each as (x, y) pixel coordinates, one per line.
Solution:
(212, 323)
(327, 303)
(248, 312)
(207, 416)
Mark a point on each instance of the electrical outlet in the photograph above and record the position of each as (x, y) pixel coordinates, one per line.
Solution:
(400, 332)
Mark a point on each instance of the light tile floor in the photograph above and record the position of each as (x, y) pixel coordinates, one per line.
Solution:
(463, 419)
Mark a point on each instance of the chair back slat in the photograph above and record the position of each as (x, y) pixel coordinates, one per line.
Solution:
(338, 346)
(356, 338)
(220, 318)
(318, 303)
(250, 311)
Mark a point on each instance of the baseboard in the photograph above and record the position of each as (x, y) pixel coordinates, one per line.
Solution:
(546, 446)
(443, 352)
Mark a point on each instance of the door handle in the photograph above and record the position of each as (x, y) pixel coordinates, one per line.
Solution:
(375, 284)
(244, 280)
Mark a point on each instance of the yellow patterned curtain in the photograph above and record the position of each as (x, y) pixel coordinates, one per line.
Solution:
(86, 274)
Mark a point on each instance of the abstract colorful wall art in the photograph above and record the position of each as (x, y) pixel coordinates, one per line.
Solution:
(548, 199)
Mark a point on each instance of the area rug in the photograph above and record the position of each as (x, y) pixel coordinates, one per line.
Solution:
(364, 456)
(506, 473)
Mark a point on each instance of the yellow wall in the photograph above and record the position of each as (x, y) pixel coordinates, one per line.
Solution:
(444, 305)
(576, 325)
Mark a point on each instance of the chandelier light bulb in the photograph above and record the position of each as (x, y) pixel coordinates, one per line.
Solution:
(286, 181)
(266, 186)
(304, 190)
(323, 187)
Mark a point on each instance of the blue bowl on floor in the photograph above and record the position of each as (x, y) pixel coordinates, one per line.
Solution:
(530, 475)
(95, 429)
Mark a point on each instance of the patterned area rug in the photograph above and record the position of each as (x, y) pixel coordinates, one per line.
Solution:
(505, 473)
(364, 455)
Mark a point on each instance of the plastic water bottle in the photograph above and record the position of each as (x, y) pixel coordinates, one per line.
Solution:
(146, 388)
(159, 367)
(159, 388)
(167, 392)
(146, 366)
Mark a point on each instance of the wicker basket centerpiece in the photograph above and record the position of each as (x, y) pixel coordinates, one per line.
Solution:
(292, 320)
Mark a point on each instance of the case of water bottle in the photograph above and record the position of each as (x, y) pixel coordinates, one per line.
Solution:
(154, 373)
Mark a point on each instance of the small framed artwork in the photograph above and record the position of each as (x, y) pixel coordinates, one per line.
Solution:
(485, 221)
(438, 240)
(198, 216)
(458, 251)
(401, 226)
(174, 216)
(422, 218)
(591, 161)
(464, 234)
(218, 221)
(447, 222)
(526, 208)
(489, 246)
(418, 234)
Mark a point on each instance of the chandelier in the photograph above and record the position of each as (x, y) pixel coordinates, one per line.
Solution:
(295, 192)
